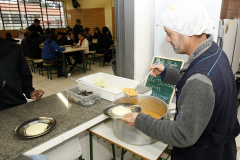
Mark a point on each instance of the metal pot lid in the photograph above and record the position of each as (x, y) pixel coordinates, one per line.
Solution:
(108, 110)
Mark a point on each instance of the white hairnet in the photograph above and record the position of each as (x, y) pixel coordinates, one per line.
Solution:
(187, 17)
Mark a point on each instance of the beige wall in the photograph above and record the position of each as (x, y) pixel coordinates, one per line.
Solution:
(106, 4)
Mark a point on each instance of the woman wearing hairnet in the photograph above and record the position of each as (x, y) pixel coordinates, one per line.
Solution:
(206, 124)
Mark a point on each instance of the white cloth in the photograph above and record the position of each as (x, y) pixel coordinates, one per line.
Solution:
(84, 45)
(187, 17)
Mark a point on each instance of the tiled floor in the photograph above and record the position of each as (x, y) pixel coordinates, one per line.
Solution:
(60, 84)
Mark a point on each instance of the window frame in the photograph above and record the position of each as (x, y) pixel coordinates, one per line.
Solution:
(42, 6)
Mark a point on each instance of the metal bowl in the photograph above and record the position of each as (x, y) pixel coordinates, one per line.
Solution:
(132, 135)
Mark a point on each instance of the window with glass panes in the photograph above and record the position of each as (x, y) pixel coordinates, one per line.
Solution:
(15, 14)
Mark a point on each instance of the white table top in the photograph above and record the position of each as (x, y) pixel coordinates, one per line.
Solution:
(70, 49)
(152, 151)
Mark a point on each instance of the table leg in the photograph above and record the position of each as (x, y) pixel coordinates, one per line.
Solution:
(64, 65)
(84, 62)
(91, 145)
(113, 150)
(123, 152)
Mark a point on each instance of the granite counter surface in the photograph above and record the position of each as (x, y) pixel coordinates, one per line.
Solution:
(67, 117)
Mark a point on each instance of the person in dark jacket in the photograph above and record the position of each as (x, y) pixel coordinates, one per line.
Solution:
(89, 38)
(32, 45)
(96, 33)
(15, 77)
(49, 54)
(62, 39)
(205, 125)
(73, 41)
(26, 34)
(9, 38)
(36, 27)
(88, 34)
(78, 28)
(69, 32)
(103, 45)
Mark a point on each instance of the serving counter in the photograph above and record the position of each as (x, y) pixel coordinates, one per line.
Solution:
(71, 120)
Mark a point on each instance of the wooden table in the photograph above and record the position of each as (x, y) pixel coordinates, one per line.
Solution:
(104, 130)
(73, 49)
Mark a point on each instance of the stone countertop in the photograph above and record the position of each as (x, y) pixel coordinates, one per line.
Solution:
(52, 106)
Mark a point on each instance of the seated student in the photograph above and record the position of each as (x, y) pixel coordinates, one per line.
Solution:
(73, 41)
(22, 45)
(88, 34)
(49, 54)
(104, 43)
(83, 42)
(9, 38)
(32, 45)
(46, 32)
(62, 39)
(69, 32)
(89, 37)
(96, 33)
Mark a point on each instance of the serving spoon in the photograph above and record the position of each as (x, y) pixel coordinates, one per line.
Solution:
(136, 89)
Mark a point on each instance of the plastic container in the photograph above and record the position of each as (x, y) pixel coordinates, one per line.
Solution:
(82, 100)
(108, 86)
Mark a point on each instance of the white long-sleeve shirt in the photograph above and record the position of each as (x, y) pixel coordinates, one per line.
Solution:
(84, 45)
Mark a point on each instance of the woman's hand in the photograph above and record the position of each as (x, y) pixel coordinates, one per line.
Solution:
(157, 69)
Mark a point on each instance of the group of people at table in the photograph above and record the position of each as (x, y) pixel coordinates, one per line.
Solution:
(53, 44)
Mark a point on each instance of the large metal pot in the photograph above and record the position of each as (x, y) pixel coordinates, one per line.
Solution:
(132, 135)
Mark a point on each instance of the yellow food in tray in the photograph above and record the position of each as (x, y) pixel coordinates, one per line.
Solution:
(153, 114)
(130, 91)
(121, 110)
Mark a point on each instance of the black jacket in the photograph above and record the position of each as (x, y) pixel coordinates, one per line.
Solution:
(32, 47)
(77, 29)
(15, 76)
(36, 28)
(11, 40)
(63, 41)
(104, 43)
(95, 35)
(89, 37)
